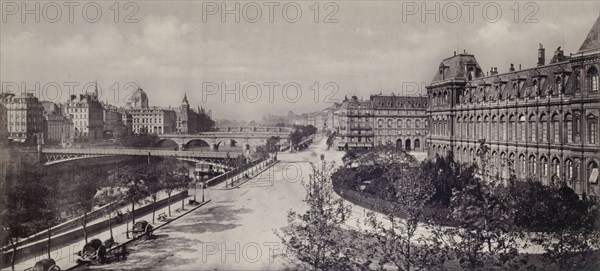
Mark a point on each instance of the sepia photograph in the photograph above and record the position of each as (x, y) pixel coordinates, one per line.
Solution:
(299, 135)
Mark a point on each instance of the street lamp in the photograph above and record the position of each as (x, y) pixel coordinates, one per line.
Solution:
(203, 187)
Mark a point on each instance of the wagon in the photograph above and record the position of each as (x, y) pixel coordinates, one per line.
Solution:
(140, 228)
(93, 252)
(45, 265)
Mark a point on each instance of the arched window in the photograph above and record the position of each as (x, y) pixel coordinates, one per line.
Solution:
(532, 129)
(569, 169)
(472, 127)
(568, 128)
(592, 122)
(502, 128)
(522, 128)
(544, 166)
(458, 124)
(494, 128)
(592, 78)
(577, 81)
(380, 123)
(486, 127)
(399, 122)
(523, 166)
(592, 172)
(390, 124)
(555, 166)
(408, 123)
(532, 165)
(543, 130)
(555, 126)
(417, 123)
(511, 127)
(478, 128)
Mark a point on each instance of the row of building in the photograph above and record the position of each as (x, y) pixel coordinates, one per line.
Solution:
(85, 119)
(540, 122)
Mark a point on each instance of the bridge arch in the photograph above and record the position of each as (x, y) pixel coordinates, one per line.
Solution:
(166, 143)
(196, 142)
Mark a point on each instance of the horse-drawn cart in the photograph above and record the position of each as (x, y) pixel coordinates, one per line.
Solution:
(140, 228)
(92, 252)
(44, 265)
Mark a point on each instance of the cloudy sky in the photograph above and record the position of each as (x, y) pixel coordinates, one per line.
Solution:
(362, 48)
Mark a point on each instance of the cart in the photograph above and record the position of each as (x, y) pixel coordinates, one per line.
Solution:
(92, 252)
(140, 228)
(44, 265)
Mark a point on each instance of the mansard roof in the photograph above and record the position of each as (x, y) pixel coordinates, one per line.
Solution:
(592, 41)
(393, 101)
(455, 68)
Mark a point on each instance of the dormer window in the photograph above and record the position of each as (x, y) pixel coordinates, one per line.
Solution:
(592, 78)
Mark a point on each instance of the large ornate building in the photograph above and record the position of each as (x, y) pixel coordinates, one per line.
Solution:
(60, 127)
(355, 124)
(192, 121)
(540, 122)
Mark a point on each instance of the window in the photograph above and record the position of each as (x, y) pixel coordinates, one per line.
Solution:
(555, 129)
(522, 128)
(532, 129)
(568, 128)
(523, 168)
(544, 166)
(592, 172)
(592, 129)
(543, 128)
(532, 165)
(511, 128)
(399, 123)
(417, 124)
(486, 127)
(380, 123)
(408, 123)
(555, 167)
(577, 80)
(569, 169)
(592, 77)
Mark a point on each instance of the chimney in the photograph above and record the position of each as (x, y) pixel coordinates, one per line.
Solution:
(559, 55)
(519, 66)
(454, 53)
(494, 71)
(541, 56)
(512, 67)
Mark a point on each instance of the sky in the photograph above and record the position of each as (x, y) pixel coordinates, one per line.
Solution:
(296, 56)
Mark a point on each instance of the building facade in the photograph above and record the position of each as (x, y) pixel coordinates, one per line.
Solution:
(540, 122)
(87, 115)
(60, 127)
(150, 120)
(400, 120)
(3, 126)
(355, 127)
(113, 123)
(25, 118)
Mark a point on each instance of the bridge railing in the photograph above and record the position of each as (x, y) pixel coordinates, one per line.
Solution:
(140, 152)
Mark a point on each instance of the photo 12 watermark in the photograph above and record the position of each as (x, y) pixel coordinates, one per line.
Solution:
(271, 92)
(69, 11)
(270, 12)
(469, 11)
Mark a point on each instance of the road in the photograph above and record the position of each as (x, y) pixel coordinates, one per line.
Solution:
(236, 229)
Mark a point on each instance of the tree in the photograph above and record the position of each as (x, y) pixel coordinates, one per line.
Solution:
(131, 183)
(109, 195)
(172, 178)
(295, 137)
(447, 176)
(315, 237)
(23, 207)
(81, 192)
(151, 178)
(398, 243)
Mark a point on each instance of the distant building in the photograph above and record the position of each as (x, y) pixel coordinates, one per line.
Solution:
(400, 120)
(539, 122)
(3, 126)
(25, 118)
(113, 123)
(355, 128)
(87, 115)
(60, 127)
(150, 120)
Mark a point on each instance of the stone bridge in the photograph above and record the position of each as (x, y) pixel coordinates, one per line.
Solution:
(230, 136)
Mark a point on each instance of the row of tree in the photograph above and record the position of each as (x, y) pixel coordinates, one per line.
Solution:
(494, 221)
(32, 201)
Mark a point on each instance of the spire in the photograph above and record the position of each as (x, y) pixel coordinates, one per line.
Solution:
(185, 100)
(96, 89)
